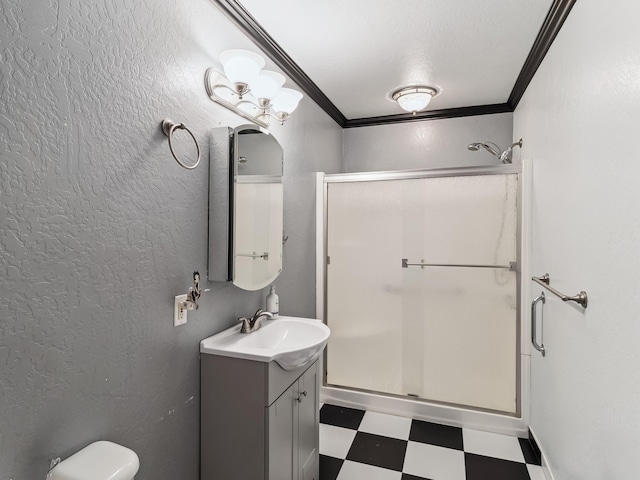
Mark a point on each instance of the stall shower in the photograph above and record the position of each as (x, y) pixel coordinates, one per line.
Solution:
(422, 286)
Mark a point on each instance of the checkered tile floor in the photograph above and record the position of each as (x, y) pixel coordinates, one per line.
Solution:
(357, 445)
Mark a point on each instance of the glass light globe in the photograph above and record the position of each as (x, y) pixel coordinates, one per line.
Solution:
(267, 85)
(286, 101)
(241, 66)
(415, 101)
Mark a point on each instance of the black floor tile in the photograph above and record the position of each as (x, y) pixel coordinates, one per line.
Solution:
(484, 468)
(406, 476)
(529, 452)
(380, 451)
(435, 434)
(329, 467)
(341, 416)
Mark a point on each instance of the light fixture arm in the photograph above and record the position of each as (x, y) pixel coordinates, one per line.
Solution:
(280, 116)
(239, 89)
(264, 104)
(214, 79)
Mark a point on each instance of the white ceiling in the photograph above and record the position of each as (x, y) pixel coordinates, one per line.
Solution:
(357, 51)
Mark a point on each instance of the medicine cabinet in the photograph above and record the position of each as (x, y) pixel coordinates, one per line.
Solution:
(245, 207)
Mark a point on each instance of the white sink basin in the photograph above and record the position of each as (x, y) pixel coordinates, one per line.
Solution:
(292, 342)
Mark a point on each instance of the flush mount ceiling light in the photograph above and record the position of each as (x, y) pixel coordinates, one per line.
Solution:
(414, 98)
(249, 91)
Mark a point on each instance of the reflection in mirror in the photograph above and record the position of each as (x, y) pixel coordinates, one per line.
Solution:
(245, 207)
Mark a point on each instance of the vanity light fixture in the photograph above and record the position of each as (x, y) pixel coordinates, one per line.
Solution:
(248, 90)
(414, 98)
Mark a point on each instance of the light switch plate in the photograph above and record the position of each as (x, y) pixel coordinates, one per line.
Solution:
(179, 312)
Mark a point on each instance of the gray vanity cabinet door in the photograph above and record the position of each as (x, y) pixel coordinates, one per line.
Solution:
(282, 435)
(308, 421)
(293, 431)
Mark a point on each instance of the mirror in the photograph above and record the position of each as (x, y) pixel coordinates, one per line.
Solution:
(246, 202)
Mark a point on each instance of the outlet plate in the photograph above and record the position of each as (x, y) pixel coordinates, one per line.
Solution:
(179, 312)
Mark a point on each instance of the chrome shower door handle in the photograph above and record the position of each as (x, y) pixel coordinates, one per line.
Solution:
(540, 348)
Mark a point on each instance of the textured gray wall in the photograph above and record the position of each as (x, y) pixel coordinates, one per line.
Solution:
(430, 144)
(100, 228)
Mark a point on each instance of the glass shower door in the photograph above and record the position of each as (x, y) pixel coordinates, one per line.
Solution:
(421, 299)
(364, 286)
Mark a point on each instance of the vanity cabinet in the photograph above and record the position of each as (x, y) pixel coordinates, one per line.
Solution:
(258, 421)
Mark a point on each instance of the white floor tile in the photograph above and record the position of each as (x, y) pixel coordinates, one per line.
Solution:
(536, 472)
(335, 441)
(430, 461)
(386, 425)
(492, 445)
(360, 471)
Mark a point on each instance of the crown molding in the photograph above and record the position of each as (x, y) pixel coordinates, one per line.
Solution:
(552, 24)
(429, 115)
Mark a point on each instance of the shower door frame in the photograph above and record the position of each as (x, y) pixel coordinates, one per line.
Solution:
(425, 409)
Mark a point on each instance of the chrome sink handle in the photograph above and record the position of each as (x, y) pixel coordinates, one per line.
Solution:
(245, 325)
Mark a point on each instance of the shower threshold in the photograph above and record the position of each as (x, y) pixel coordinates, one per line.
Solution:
(422, 409)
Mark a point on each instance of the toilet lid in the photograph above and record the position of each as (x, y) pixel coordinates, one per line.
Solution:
(98, 461)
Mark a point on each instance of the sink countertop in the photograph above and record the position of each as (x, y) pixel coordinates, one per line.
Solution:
(290, 341)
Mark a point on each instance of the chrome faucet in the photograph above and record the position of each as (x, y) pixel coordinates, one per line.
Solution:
(252, 324)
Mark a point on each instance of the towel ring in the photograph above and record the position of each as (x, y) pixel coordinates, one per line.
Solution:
(168, 127)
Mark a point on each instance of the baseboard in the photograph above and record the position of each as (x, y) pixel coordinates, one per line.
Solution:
(548, 474)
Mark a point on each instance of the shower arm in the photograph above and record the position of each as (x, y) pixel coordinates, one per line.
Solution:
(505, 157)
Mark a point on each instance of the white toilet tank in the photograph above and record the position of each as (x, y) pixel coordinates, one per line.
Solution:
(98, 461)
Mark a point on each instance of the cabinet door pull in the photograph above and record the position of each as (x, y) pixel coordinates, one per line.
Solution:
(302, 394)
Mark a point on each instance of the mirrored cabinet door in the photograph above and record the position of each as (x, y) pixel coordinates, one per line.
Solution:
(245, 207)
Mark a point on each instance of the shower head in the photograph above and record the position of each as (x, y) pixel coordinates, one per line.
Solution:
(495, 150)
(488, 146)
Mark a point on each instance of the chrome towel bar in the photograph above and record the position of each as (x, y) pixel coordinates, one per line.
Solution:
(405, 264)
(581, 298)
